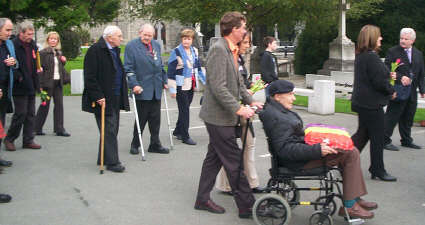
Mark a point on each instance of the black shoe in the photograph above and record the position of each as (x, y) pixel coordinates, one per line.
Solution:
(258, 190)
(134, 150)
(411, 145)
(5, 198)
(40, 133)
(63, 134)
(391, 147)
(189, 141)
(5, 163)
(384, 177)
(118, 168)
(227, 193)
(178, 136)
(160, 150)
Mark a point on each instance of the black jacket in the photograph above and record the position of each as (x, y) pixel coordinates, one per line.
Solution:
(371, 88)
(268, 66)
(285, 133)
(99, 79)
(48, 64)
(26, 82)
(417, 68)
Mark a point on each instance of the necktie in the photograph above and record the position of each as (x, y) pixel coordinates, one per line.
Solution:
(409, 55)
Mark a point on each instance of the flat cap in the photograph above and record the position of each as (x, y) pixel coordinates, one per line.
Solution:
(280, 87)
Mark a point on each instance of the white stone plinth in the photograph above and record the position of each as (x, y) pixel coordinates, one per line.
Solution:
(310, 78)
(323, 101)
(77, 81)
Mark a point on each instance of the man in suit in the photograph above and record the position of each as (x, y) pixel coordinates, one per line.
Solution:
(146, 78)
(24, 90)
(221, 111)
(105, 84)
(402, 109)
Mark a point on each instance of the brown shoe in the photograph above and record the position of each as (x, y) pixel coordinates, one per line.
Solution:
(367, 205)
(9, 145)
(210, 206)
(31, 146)
(356, 212)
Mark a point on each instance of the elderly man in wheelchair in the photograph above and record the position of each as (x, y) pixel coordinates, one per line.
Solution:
(285, 135)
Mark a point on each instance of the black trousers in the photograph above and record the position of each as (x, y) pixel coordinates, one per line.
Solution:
(148, 111)
(371, 125)
(57, 94)
(223, 150)
(112, 124)
(401, 112)
(184, 99)
(23, 117)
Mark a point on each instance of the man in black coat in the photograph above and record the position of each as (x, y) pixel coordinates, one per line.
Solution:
(285, 133)
(411, 75)
(105, 84)
(268, 64)
(24, 89)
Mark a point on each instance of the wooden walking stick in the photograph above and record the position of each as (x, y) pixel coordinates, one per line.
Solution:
(102, 138)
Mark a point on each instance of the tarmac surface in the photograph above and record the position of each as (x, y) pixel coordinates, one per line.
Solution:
(60, 184)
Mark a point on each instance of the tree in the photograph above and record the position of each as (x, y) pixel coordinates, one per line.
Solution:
(61, 15)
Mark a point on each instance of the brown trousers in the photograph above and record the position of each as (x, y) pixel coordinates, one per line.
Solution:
(223, 150)
(349, 161)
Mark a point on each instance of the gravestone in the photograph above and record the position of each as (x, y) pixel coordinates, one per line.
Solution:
(77, 82)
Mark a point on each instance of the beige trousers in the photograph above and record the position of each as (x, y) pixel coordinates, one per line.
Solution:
(222, 183)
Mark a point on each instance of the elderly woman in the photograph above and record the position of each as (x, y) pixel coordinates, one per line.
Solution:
(183, 70)
(371, 92)
(52, 79)
(222, 183)
(284, 128)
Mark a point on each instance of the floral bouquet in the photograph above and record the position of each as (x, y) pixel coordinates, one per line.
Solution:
(394, 66)
(44, 98)
(258, 85)
(336, 137)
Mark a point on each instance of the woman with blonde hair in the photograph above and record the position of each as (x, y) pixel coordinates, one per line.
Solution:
(52, 78)
(371, 92)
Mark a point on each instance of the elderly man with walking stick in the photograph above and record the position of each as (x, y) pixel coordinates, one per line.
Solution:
(147, 79)
(105, 86)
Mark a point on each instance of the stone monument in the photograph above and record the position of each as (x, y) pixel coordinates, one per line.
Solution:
(341, 50)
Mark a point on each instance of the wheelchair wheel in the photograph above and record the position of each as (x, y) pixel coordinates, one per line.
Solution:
(332, 205)
(271, 209)
(319, 218)
(293, 195)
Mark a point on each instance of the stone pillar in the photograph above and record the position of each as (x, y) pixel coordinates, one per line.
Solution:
(341, 50)
(158, 27)
(217, 34)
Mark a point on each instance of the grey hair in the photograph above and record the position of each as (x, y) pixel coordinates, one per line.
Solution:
(410, 31)
(3, 21)
(110, 30)
(25, 26)
(147, 26)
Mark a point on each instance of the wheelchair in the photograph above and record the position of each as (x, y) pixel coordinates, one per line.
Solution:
(275, 208)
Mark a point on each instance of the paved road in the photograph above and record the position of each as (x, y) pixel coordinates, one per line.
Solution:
(60, 184)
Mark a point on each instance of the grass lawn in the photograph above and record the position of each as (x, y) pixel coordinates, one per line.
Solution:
(344, 106)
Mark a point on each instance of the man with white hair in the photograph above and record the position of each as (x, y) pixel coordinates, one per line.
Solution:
(105, 84)
(410, 76)
(146, 78)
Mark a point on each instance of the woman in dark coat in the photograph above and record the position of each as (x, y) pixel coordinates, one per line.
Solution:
(371, 92)
(52, 79)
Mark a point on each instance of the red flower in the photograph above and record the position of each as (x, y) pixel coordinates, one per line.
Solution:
(44, 103)
(398, 61)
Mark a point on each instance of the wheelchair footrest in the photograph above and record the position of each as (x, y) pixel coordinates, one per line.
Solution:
(356, 221)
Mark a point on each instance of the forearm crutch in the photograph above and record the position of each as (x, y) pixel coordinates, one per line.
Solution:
(138, 127)
(168, 121)
(102, 138)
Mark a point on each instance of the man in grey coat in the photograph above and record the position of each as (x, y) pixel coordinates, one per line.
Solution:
(221, 111)
(147, 78)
